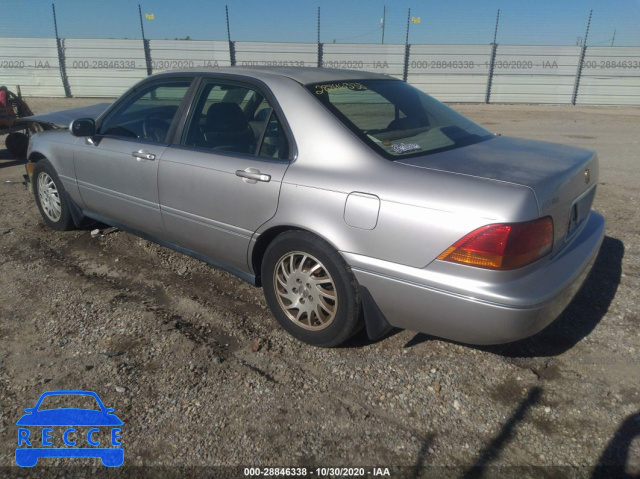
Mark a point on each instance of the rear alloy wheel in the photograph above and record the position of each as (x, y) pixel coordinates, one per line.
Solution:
(310, 289)
(305, 291)
(50, 197)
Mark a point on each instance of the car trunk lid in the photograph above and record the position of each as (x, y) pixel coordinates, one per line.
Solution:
(563, 178)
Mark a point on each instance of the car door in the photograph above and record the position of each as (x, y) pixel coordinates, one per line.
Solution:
(222, 180)
(117, 170)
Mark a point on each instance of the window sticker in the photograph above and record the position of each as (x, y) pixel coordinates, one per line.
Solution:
(320, 89)
(405, 147)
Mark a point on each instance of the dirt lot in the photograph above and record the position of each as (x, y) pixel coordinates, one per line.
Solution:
(203, 378)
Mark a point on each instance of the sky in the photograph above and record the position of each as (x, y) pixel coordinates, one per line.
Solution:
(539, 22)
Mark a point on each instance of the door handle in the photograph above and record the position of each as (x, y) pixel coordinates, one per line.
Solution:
(252, 175)
(143, 155)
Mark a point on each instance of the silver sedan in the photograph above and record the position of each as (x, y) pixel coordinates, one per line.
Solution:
(354, 199)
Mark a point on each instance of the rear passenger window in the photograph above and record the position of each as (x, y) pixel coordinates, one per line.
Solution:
(236, 118)
(274, 143)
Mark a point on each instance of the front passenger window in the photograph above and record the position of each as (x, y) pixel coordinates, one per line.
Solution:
(147, 114)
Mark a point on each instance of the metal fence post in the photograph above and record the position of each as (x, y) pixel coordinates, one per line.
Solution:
(145, 46)
(320, 46)
(147, 56)
(232, 45)
(407, 50)
(492, 63)
(407, 54)
(232, 53)
(62, 61)
(583, 52)
(494, 50)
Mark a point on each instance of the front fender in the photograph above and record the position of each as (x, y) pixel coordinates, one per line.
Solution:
(57, 147)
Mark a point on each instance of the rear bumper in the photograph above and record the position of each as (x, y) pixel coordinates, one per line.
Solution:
(475, 311)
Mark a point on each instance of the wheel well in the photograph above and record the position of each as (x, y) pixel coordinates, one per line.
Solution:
(262, 244)
(265, 239)
(35, 157)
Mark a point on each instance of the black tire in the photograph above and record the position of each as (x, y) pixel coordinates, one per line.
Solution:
(17, 143)
(327, 309)
(51, 197)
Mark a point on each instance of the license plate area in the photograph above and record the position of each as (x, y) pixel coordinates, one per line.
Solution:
(579, 211)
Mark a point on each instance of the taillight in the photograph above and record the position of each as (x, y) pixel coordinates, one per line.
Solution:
(503, 246)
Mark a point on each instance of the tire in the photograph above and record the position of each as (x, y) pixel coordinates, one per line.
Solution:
(17, 143)
(310, 289)
(51, 197)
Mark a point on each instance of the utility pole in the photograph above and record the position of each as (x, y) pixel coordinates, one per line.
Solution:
(614, 37)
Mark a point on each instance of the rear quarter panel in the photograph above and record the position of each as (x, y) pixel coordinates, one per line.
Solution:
(421, 212)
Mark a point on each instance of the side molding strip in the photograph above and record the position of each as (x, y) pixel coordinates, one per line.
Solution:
(249, 278)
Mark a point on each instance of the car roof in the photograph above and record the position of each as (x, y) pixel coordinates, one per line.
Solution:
(303, 75)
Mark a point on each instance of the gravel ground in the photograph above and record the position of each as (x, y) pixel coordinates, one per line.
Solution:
(206, 383)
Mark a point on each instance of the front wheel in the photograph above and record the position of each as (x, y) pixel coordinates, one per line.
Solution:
(50, 197)
(310, 289)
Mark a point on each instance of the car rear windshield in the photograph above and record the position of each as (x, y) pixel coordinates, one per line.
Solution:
(397, 119)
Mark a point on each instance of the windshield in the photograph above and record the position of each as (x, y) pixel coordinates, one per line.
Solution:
(397, 119)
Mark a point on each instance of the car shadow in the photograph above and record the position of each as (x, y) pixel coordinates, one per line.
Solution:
(361, 340)
(580, 317)
(4, 153)
(11, 160)
(8, 164)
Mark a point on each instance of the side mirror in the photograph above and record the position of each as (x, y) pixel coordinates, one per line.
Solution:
(83, 127)
(29, 409)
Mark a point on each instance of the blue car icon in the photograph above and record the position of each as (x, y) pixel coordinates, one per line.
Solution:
(31, 447)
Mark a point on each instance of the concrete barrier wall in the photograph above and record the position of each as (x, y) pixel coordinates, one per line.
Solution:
(610, 75)
(534, 74)
(253, 54)
(451, 73)
(103, 68)
(171, 54)
(386, 59)
(31, 63)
